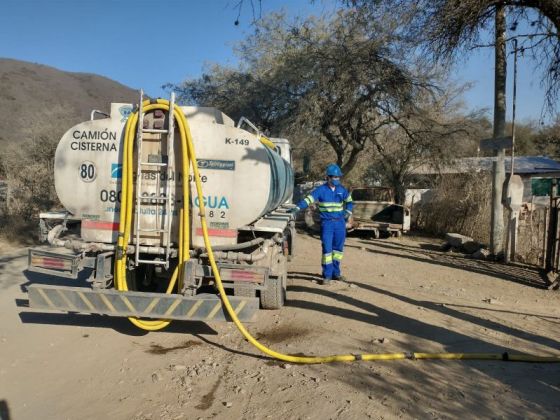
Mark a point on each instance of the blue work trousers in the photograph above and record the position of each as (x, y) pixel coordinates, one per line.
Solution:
(333, 234)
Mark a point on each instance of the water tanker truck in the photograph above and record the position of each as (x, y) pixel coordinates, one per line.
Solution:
(131, 227)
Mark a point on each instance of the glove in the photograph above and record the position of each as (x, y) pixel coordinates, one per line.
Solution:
(294, 210)
(347, 215)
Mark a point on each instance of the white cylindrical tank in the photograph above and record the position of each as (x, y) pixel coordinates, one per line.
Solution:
(242, 179)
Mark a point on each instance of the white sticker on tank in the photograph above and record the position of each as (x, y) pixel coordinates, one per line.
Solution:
(88, 172)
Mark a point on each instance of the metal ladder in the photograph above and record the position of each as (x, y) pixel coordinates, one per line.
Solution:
(159, 198)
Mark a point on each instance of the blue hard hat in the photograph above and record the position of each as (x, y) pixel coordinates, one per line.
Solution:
(333, 170)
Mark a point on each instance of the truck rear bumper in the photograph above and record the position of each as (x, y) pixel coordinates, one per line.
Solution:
(204, 307)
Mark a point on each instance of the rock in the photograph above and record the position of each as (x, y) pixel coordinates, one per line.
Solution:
(445, 247)
(179, 367)
(481, 254)
(456, 240)
(228, 404)
(285, 366)
(492, 301)
(383, 340)
(156, 377)
(471, 247)
(316, 380)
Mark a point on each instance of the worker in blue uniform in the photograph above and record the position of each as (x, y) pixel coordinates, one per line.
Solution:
(335, 207)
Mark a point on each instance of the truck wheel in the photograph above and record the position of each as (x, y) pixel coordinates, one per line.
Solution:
(274, 296)
(244, 291)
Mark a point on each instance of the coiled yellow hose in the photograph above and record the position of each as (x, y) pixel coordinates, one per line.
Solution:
(126, 214)
(189, 154)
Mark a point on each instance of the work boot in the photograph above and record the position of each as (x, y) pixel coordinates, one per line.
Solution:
(340, 278)
(325, 282)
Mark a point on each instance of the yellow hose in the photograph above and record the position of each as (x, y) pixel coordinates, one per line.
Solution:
(189, 154)
(126, 212)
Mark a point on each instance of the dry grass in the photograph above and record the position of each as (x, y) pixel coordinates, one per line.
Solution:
(462, 204)
(459, 204)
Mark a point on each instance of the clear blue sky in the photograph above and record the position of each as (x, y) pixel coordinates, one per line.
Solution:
(147, 43)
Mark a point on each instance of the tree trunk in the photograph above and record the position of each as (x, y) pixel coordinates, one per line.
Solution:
(497, 228)
(346, 167)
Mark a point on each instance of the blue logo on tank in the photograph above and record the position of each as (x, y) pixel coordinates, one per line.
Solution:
(125, 112)
(116, 170)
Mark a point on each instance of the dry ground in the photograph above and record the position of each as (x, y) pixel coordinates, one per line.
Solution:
(406, 297)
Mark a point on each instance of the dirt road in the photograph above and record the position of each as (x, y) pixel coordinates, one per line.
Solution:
(404, 296)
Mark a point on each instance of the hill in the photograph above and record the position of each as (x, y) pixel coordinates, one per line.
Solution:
(39, 100)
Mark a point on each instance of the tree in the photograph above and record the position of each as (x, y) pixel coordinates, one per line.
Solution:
(447, 28)
(547, 139)
(434, 137)
(28, 168)
(339, 80)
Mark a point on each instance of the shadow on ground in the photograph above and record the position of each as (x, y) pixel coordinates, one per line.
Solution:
(422, 389)
(526, 275)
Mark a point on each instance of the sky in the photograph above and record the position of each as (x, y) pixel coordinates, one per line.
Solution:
(148, 43)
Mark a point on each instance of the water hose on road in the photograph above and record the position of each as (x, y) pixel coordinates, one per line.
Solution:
(188, 154)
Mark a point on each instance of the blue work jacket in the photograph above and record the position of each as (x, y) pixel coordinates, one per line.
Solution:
(332, 204)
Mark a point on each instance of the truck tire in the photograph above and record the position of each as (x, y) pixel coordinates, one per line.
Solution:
(244, 291)
(274, 296)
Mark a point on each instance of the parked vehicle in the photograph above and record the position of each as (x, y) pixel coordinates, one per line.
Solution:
(375, 212)
(247, 185)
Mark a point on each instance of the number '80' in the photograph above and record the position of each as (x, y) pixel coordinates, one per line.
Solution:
(87, 171)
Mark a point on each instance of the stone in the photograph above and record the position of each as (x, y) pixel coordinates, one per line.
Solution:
(156, 377)
(285, 366)
(179, 367)
(471, 247)
(445, 247)
(228, 404)
(457, 240)
(492, 301)
(481, 254)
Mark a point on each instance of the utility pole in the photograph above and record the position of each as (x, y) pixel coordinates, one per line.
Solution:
(498, 167)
